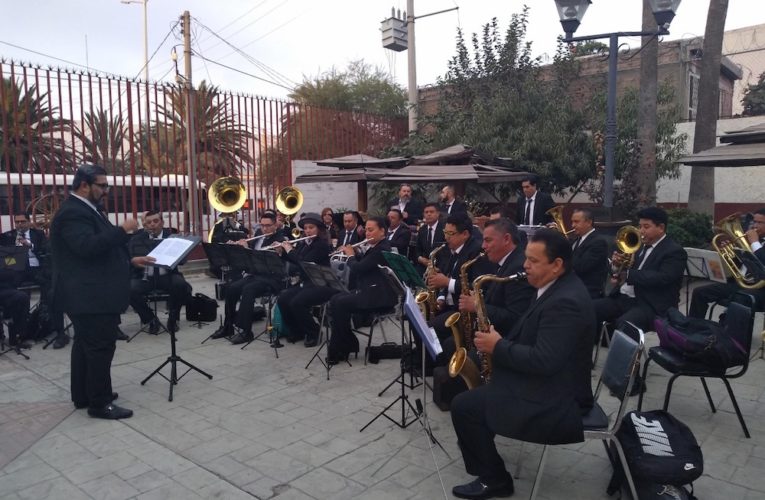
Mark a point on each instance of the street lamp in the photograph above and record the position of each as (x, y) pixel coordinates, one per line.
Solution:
(571, 13)
(145, 35)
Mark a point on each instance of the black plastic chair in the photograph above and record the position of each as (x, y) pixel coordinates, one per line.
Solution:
(378, 317)
(738, 325)
(154, 297)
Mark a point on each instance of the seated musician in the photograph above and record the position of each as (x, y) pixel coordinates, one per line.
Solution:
(540, 382)
(235, 290)
(36, 243)
(146, 279)
(462, 246)
(349, 235)
(372, 291)
(15, 305)
(295, 303)
(590, 252)
(652, 284)
(329, 223)
(430, 236)
(708, 294)
(399, 233)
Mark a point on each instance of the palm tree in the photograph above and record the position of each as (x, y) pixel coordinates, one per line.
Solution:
(31, 132)
(222, 145)
(105, 141)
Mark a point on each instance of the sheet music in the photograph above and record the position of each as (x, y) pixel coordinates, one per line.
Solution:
(171, 251)
(427, 334)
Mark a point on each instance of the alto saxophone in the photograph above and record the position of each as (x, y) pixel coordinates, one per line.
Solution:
(482, 316)
(460, 364)
(427, 299)
(466, 319)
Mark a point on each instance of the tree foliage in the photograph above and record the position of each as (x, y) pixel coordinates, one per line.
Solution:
(754, 98)
(104, 140)
(31, 131)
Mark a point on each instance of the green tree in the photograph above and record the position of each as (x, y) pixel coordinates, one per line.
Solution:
(105, 140)
(754, 98)
(31, 131)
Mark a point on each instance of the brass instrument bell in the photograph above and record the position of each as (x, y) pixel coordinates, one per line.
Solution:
(227, 194)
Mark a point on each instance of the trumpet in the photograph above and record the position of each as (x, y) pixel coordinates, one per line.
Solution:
(277, 244)
(339, 252)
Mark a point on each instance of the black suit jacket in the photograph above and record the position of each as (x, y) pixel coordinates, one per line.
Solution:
(372, 285)
(506, 302)
(317, 252)
(450, 265)
(658, 283)
(423, 246)
(36, 236)
(590, 263)
(413, 210)
(141, 244)
(542, 203)
(540, 384)
(355, 237)
(457, 207)
(91, 268)
(401, 239)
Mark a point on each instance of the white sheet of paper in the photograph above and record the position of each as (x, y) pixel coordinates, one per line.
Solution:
(426, 333)
(170, 250)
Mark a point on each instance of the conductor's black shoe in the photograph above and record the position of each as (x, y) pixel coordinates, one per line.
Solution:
(172, 325)
(223, 331)
(80, 406)
(61, 341)
(154, 326)
(242, 337)
(110, 412)
(311, 341)
(477, 490)
(122, 335)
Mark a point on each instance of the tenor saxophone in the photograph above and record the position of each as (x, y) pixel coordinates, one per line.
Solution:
(467, 319)
(483, 318)
(460, 364)
(427, 299)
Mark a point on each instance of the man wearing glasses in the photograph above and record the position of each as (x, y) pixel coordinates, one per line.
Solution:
(708, 294)
(91, 283)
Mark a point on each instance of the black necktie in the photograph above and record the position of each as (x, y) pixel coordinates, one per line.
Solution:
(430, 236)
(643, 254)
(576, 243)
(449, 208)
(528, 211)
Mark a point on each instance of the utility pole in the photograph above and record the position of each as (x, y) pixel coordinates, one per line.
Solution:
(195, 226)
(412, 67)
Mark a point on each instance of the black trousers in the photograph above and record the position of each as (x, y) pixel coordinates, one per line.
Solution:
(341, 307)
(621, 309)
(475, 438)
(295, 306)
(95, 337)
(15, 306)
(173, 283)
(707, 294)
(245, 291)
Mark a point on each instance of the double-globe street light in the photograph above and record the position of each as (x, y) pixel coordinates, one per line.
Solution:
(571, 13)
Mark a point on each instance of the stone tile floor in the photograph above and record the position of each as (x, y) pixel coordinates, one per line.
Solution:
(269, 428)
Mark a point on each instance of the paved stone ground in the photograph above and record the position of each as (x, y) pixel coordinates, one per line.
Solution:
(269, 428)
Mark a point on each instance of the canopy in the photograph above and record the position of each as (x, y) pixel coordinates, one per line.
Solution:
(433, 173)
(342, 175)
(740, 148)
(360, 160)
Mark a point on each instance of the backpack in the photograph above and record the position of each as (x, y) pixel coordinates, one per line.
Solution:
(279, 328)
(662, 455)
(201, 308)
(699, 340)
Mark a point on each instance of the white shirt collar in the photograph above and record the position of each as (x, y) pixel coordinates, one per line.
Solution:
(541, 291)
(582, 238)
(87, 202)
(502, 261)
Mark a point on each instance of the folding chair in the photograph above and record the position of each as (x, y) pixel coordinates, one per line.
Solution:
(619, 371)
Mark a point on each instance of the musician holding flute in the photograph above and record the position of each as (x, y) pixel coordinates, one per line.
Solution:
(540, 383)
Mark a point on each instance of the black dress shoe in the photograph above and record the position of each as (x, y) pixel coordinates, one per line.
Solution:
(61, 341)
(294, 338)
(242, 338)
(122, 335)
(172, 325)
(80, 406)
(154, 326)
(311, 341)
(110, 412)
(223, 331)
(477, 490)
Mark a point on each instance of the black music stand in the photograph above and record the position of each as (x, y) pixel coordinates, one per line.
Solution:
(325, 277)
(14, 259)
(218, 257)
(702, 265)
(267, 263)
(399, 275)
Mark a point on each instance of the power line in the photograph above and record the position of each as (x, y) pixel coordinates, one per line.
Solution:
(170, 32)
(251, 23)
(243, 72)
(237, 19)
(72, 63)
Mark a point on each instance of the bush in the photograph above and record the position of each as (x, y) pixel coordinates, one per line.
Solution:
(690, 229)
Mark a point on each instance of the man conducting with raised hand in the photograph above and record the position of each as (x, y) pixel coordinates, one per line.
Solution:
(91, 283)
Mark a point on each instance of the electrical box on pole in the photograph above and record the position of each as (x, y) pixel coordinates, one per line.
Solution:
(394, 31)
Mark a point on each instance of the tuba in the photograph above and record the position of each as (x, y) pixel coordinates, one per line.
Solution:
(226, 195)
(556, 213)
(628, 242)
(460, 363)
(730, 242)
(289, 200)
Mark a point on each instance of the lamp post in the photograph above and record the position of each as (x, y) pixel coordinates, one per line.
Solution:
(145, 35)
(571, 13)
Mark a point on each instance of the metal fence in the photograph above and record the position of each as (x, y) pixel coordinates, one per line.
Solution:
(53, 119)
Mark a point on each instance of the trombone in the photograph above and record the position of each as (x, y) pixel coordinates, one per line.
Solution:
(628, 241)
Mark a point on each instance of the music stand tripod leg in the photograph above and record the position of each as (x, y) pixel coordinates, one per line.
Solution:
(173, 360)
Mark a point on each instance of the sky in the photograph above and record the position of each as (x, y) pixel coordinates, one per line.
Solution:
(285, 41)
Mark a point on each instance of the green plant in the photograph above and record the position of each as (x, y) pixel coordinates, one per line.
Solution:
(690, 229)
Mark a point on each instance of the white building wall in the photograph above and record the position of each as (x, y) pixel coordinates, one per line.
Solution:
(317, 195)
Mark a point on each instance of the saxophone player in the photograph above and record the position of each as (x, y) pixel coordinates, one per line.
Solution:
(540, 384)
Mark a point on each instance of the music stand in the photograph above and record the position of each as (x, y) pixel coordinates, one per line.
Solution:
(266, 263)
(702, 265)
(217, 255)
(325, 277)
(14, 259)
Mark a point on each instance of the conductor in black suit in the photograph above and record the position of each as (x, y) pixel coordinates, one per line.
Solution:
(704, 295)
(540, 383)
(147, 279)
(409, 207)
(399, 234)
(91, 283)
(652, 284)
(590, 252)
(430, 236)
(372, 291)
(532, 206)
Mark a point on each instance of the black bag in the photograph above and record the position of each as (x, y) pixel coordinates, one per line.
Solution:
(201, 308)
(660, 450)
(386, 350)
(446, 388)
(38, 324)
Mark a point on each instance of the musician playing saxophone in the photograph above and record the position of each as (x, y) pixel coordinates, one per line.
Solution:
(462, 248)
(540, 384)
